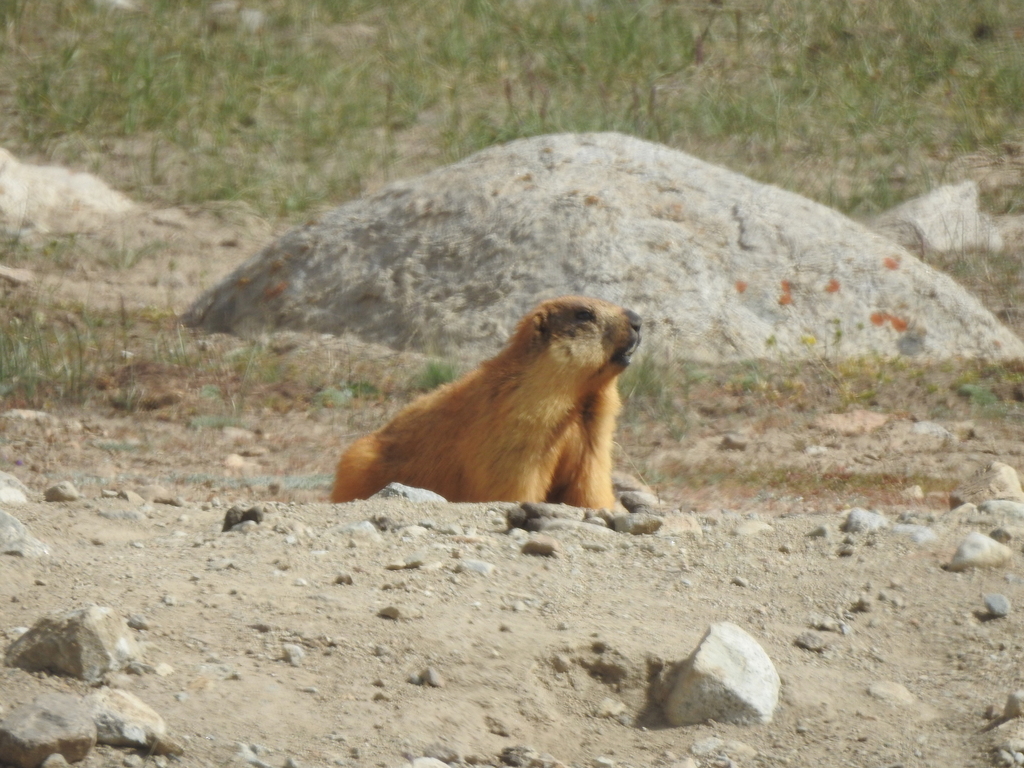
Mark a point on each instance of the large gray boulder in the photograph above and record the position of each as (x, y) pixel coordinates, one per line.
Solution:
(721, 267)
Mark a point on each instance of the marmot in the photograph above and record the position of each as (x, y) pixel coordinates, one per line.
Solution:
(534, 423)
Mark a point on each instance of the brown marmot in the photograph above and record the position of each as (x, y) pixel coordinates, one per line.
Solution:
(534, 423)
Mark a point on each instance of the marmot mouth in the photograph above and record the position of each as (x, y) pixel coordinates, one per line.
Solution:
(625, 355)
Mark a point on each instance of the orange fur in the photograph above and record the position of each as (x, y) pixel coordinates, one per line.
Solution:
(534, 423)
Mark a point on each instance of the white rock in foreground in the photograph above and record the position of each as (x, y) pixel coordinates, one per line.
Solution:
(124, 720)
(16, 540)
(55, 723)
(86, 644)
(979, 551)
(728, 678)
(720, 267)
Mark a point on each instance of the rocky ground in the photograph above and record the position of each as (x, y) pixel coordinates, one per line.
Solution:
(282, 638)
(428, 632)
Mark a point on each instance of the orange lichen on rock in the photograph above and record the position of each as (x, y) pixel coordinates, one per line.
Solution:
(881, 318)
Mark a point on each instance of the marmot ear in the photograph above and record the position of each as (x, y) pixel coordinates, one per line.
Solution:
(540, 323)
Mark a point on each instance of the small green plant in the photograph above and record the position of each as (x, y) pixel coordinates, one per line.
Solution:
(214, 421)
(332, 397)
(436, 373)
(977, 394)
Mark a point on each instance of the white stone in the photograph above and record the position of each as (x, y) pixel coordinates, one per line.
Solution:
(16, 540)
(123, 719)
(979, 551)
(728, 678)
(399, 491)
(863, 521)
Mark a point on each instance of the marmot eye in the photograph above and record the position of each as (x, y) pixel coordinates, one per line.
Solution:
(585, 316)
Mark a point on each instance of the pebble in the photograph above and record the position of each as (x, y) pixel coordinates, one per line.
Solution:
(540, 544)
(475, 566)
(812, 641)
(399, 491)
(890, 692)
(820, 532)
(343, 578)
(997, 605)
(634, 500)
(63, 491)
(392, 612)
(636, 524)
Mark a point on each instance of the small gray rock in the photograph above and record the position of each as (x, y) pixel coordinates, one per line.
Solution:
(637, 500)
(239, 513)
(293, 654)
(997, 605)
(811, 641)
(636, 524)
(63, 491)
(399, 491)
(539, 544)
(864, 521)
(475, 566)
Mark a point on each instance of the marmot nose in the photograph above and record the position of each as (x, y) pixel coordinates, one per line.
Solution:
(634, 319)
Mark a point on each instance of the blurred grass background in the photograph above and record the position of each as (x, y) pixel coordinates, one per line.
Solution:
(307, 103)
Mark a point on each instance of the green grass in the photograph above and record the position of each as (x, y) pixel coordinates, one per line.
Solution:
(858, 105)
(434, 374)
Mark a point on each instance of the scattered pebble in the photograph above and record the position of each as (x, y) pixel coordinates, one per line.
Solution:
(997, 605)
(812, 641)
(540, 544)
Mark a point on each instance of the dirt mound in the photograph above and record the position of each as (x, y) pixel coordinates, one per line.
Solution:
(721, 267)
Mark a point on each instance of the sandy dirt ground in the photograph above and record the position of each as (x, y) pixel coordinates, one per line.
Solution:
(526, 655)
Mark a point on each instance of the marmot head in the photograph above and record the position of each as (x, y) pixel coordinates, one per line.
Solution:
(584, 336)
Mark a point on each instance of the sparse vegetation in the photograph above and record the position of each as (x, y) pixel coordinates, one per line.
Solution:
(858, 105)
(435, 373)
